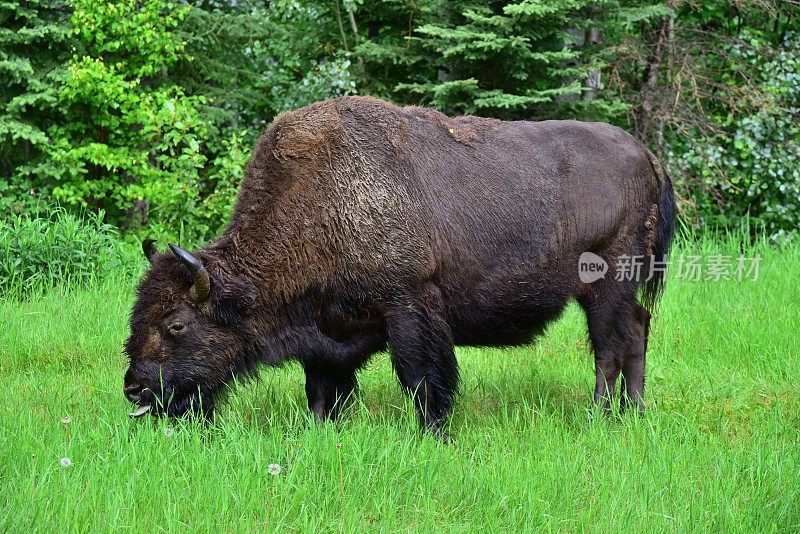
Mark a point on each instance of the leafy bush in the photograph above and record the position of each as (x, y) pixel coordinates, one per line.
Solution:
(130, 138)
(56, 248)
(749, 166)
(143, 130)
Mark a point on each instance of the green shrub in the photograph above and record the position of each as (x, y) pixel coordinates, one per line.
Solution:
(750, 167)
(56, 248)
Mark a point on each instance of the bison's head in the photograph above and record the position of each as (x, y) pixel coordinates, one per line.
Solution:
(189, 331)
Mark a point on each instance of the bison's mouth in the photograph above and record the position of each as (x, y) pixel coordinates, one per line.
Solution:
(173, 404)
(140, 410)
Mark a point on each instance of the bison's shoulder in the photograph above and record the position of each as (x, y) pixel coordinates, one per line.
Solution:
(292, 147)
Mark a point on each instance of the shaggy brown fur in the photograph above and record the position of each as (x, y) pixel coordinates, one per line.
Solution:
(359, 222)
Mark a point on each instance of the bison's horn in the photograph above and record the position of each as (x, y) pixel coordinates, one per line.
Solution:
(149, 248)
(202, 282)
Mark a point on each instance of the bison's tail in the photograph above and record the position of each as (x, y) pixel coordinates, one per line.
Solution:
(653, 286)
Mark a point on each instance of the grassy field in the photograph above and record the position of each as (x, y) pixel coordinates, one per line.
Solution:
(717, 450)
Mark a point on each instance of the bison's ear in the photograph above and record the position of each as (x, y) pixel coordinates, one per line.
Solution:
(233, 301)
(149, 248)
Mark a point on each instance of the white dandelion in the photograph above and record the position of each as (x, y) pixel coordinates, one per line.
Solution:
(65, 463)
(66, 420)
(169, 431)
(274, 469)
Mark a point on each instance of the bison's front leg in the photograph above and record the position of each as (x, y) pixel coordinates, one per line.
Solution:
(423, 357)
(331, 367)
(328, 389)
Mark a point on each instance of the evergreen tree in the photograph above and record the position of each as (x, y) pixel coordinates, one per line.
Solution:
(387, 54)
(252, 61)
(499, 58)
(523, 59)
(509, 59)
(33, 49)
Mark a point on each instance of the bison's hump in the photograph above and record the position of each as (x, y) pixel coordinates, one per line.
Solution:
(305, 133)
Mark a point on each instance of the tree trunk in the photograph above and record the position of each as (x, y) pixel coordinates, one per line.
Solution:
(341, 26)
(351, 16)
(592, 36)
(643, 115)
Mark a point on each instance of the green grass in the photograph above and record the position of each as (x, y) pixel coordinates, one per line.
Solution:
(717, 450)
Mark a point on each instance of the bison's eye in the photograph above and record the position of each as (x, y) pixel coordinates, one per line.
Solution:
(176, 329)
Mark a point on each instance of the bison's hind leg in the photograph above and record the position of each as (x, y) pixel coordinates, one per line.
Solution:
(618, 328)
(633, 365)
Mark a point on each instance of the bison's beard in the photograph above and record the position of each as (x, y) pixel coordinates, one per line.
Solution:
(198, 395)
(181, 401)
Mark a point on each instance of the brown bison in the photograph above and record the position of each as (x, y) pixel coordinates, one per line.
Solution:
(360, 223)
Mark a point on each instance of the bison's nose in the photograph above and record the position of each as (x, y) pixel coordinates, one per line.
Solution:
(133, 392)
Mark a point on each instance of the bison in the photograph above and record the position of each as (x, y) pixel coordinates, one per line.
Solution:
(360, 224)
